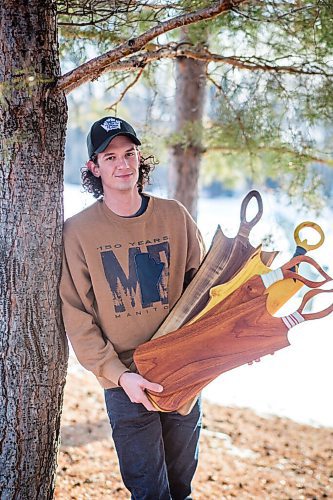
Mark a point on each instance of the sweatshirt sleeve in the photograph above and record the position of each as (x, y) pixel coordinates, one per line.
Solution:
(195, 249)
(93, 350)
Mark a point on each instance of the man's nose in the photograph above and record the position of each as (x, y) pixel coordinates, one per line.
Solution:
(121, 162)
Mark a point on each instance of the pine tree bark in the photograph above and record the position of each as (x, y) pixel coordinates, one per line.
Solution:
(186, 154)
(33, 348)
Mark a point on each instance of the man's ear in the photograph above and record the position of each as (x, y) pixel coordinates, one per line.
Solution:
(91, 165)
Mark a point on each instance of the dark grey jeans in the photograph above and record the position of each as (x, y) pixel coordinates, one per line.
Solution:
(157, 452)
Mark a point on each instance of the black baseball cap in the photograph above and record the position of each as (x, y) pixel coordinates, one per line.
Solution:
(104, 130)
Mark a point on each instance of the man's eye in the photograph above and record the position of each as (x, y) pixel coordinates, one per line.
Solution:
(130, 153)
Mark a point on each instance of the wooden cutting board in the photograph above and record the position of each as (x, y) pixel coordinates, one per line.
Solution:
(224, 259)
(236, 331)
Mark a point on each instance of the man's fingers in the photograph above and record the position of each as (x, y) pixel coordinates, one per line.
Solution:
(151, 386)
(147, 404)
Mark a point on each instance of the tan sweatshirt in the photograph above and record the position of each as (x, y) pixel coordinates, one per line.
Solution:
(120, 278)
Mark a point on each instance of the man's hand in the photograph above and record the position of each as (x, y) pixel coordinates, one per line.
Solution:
(134, 385)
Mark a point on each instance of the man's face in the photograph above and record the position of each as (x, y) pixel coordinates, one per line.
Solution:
(118, 165)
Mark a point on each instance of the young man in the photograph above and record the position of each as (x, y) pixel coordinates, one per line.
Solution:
(126, 261)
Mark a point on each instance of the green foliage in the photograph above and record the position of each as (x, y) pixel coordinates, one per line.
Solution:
(266, 123)
(189, 136)
(264, 109)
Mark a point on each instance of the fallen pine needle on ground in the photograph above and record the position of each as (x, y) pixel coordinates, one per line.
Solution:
(242, 455)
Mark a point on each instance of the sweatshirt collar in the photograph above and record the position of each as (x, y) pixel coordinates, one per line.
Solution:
(128, 220)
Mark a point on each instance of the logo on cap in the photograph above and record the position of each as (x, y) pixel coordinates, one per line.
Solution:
(111, 124)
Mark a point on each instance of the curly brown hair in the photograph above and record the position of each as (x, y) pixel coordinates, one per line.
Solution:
(93, 184)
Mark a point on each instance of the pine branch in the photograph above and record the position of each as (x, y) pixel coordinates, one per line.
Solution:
(238, 118)
(255, 64)
(92, 22)
(81, 8)
(277, 17)
(271, 149)
(96, 67)
(124, 92)
(251, 63)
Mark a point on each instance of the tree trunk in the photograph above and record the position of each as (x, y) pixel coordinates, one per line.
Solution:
(186, 152)
(33, 348)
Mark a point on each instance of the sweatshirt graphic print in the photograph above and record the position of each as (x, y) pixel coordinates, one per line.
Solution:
(144, 281)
